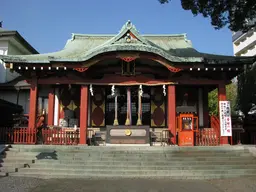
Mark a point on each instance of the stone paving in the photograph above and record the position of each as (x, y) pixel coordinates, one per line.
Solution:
(19, 184)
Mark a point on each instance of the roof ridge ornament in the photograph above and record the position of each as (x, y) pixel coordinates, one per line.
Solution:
(128, 25)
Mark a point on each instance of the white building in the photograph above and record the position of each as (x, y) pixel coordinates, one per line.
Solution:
(12, 87)
(244, 44)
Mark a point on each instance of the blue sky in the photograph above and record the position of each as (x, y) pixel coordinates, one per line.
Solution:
(48, 24)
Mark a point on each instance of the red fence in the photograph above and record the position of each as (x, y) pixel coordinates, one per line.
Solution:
(207, 137)
(46, 136)
(17, 135)
(60, 137)
(215, 124)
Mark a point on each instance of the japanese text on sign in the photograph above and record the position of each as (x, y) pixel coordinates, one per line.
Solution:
(225, 119)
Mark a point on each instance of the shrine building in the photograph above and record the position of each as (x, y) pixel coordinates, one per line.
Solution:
(127, 86)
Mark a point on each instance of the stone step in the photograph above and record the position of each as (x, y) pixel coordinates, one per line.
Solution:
(114, 162)
(126, 159)
(129, 148)
(114, 155)
(10, 164)
(107, 176)
(122, 157)
(131, 152)
(3, 174)
(122, 149)
(141, 167)
(149, 159)
(8, 169)
(138, 172)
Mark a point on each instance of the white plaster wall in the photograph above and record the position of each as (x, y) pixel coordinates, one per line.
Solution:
(251, 51)
(245, 45)
(12, 50)
(3, 51)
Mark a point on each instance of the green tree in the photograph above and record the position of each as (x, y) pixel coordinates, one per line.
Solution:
(246, 94)
(234, 13)
(213, 102)
(231, 91)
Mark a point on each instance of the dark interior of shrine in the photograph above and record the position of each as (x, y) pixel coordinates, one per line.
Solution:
(122, 105)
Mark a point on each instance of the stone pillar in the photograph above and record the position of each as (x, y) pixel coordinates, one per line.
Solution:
(139, 122)
(222, 97)
(51, 97)
(83, 114)
(56, 106)
(128, 117)
(116, 107)
(172, 112)
(33, 105)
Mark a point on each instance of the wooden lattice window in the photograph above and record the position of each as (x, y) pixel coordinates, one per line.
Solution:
(128, 68)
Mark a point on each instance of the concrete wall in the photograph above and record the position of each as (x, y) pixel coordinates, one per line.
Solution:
(3, 51)
(14, 49)
(245, 45)
(10, 47)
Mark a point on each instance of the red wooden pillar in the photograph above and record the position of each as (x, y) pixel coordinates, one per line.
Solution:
(222, 97)
(51, 97)
(83, 114)
(172, 112)
(33, 105)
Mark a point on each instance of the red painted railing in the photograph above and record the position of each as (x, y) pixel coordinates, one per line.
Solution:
(207, 137)
(60, 137)
(46, 136)
(17, 135)
(215, 124)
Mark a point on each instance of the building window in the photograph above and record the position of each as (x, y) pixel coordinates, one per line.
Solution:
(128, 68)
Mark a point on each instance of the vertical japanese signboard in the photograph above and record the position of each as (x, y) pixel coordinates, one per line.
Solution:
(225, 119)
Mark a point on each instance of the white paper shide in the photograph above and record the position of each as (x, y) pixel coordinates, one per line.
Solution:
(225, 119)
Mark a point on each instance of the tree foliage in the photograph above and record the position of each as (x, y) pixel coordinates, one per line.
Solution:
(246, 96)
(234, 13)
(213, 102)
(231, 92)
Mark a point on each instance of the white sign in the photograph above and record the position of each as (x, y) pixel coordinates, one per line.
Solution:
(225, 118)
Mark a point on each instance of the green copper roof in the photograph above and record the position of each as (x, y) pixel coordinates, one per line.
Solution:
(82, 47)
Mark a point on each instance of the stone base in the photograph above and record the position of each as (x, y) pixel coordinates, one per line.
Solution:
(128, 145)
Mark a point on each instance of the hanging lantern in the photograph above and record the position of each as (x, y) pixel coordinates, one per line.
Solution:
(164, 90)
(140, 91)
(113, 90)
(91, 90)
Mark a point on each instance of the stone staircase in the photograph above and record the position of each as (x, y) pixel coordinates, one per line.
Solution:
(128, 162)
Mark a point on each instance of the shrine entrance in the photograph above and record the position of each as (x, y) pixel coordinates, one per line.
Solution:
(124, 103)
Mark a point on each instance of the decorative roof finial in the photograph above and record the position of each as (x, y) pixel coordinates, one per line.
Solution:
(129, 24)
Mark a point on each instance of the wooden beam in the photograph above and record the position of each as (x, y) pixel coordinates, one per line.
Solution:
(51, 97)
(83, 114)
(33, 105)
(172, 112)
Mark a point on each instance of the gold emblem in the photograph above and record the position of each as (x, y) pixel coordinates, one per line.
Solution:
(128, 132)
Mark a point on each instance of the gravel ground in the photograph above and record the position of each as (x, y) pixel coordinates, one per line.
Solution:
(20, 184)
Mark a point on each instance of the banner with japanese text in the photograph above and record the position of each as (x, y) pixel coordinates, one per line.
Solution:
(225, 118)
